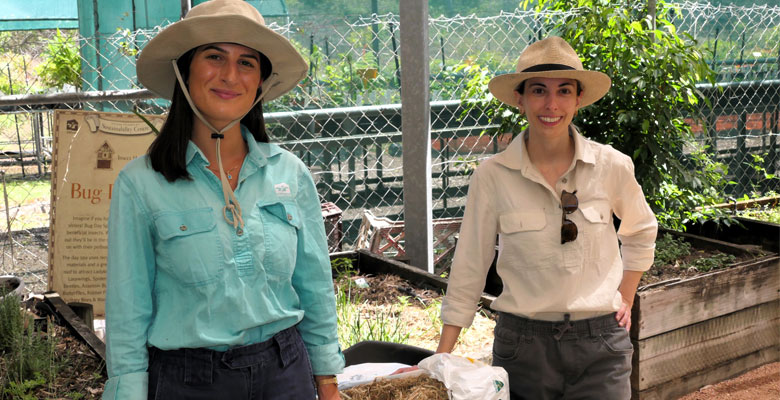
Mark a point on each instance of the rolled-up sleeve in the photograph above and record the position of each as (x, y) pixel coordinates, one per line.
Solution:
(638, 225)
(129, 307)
(313, 283)
(473, 255)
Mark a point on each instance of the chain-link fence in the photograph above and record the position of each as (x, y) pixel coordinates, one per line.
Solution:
(344, 119)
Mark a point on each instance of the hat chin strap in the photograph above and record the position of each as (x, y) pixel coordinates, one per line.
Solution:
(232, 209)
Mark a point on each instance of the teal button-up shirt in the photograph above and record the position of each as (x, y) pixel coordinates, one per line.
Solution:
(179, 276)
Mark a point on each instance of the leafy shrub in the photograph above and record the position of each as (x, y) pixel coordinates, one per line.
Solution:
(26, 354)
(654, 70)
(63, 63)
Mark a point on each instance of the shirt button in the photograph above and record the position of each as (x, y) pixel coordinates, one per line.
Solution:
(183, 228)
(289, 217)
(239, 231)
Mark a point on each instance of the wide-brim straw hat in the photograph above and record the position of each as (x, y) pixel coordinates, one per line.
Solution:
(219, 21)
(550, 58)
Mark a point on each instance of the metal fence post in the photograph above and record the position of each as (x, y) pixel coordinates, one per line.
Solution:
(9, 234)
(416, 133)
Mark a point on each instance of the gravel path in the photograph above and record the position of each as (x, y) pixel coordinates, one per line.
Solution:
(760, 383)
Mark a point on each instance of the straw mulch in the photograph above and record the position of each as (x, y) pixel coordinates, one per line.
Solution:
(413, 388)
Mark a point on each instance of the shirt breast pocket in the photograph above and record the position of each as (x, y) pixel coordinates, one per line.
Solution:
(526, 240)
(522, 221)
(597, 215)
(281, 222)
(188, 246)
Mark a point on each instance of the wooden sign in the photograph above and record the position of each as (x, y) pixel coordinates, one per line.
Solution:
(90, 148)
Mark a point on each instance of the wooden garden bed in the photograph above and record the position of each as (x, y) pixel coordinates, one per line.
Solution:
(686, 333)
(700, 331)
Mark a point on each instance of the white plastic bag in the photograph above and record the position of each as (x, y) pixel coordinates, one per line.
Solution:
(360, 374)
(468, 379)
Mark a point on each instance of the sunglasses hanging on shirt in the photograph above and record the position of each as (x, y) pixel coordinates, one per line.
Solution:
(569, 204)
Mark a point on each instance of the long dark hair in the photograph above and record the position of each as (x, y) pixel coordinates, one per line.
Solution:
(168, 151)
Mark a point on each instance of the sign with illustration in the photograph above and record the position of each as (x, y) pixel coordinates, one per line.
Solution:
(90, 148)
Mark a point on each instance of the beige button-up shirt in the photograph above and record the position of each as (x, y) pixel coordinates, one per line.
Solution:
(543, 279)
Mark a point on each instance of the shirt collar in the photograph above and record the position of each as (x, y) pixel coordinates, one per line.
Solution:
(516, 155)
(258, 154)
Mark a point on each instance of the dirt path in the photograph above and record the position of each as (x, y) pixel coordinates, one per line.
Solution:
(758, 384)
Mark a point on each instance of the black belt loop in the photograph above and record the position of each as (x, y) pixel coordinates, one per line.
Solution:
(198, 367)
(563, 327)
(283, 341)
(592, 328)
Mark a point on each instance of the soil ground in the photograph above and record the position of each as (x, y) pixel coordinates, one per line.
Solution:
(758, 384)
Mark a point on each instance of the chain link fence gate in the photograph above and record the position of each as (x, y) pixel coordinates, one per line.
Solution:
(344, 119)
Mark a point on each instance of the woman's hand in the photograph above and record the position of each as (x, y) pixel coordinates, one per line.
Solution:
(327, 387)
(623, 315)
(328, 391)
(405, 369)
(627, 291)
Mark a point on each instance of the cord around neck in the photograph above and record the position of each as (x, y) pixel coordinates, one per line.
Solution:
(232, 209)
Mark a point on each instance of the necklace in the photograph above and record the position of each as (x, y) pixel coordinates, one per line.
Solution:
(229, 172)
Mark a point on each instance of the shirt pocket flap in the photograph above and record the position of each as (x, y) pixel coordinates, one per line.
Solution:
(597, 213)
(184, 223)
(287, 212)
(522, 221)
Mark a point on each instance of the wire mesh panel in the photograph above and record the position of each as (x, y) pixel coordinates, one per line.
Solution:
(344, 119)
(744, 43)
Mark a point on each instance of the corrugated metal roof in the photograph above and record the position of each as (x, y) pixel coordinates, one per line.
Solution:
(63, 14)
(38, 14)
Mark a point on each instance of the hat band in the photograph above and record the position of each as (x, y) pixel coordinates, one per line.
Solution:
(548, 67)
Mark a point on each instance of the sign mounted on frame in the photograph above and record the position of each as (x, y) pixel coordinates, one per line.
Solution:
(90, 148)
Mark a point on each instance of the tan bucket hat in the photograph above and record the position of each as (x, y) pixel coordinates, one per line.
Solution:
(219, 21)
(550, 58)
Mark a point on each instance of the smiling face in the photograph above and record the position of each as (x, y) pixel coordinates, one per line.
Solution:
(223, 81)
(549, 104)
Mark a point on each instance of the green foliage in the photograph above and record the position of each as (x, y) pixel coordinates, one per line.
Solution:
(126, 46)
(63, 63)
(343, 268)
(765, 214)
(11, 322)
(757, 163)
(75, 396)
(356, 322)
(27, 354)
(671, 250)
(22, 390)
(654, 69)
(706, 264)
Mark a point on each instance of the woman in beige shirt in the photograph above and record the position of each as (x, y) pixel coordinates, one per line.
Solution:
(568, 284)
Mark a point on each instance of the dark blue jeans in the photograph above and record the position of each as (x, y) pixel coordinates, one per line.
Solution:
(276, 369)
(584, 359)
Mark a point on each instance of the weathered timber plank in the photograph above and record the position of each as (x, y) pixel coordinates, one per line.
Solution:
(680, 340)
(700, 356)
(715, 373)
(75, 324)
(708, 296)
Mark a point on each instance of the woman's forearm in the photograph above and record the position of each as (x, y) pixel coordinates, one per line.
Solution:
(449, 336)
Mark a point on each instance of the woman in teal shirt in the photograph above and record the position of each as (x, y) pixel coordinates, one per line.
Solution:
(219, 283)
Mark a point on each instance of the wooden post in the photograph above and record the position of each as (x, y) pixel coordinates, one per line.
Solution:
(416, 133)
